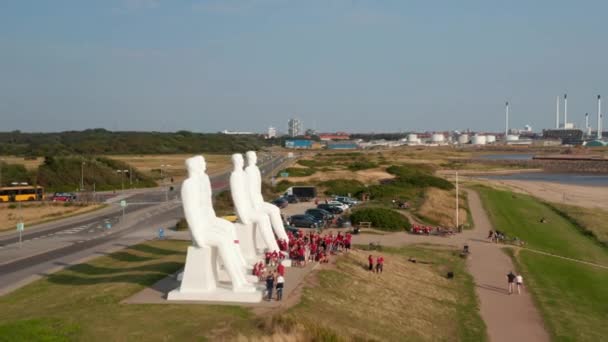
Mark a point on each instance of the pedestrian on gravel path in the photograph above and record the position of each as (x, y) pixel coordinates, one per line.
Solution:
(370, 260)
(379, 264)
(510, 280)
(269, 285)
(519, 280)
(280, 285)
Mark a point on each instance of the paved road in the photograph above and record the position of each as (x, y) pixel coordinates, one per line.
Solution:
(74, 238)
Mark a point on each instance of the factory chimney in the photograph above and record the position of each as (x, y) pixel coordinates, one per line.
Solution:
(557, 113)
(565, 111)
(587, 129)
(599, 117)
(506, 119)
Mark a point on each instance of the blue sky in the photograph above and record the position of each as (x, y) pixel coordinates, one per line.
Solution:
(355, 65)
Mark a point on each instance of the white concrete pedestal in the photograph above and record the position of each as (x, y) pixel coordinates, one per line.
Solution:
(200, 281)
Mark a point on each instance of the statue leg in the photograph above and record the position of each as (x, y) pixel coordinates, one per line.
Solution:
(233, 266)
(265, 229)
(276, 220)
(231, 228)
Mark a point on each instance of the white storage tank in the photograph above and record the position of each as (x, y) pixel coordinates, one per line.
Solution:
(437, 138)
(512, 137)
(490, 139)
(463, 139)
(478, 140)
(412, 138)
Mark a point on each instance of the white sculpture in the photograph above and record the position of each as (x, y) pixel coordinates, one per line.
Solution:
(211, 237)
(244, 207)
(254, 182)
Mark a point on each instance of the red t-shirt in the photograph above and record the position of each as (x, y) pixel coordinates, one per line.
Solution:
(371, 260)
(281, 269)
(380, 260)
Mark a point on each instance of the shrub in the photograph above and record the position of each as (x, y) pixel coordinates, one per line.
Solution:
(222, 203)
(311, 163)
(343, 187)
(418, 176)
(298, 172)
(283, 185)
(381, 218)
(182, 224)
(362, 165)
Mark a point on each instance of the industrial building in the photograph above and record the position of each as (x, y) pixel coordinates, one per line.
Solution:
(299, 143)
(295, 128)
(342, 145)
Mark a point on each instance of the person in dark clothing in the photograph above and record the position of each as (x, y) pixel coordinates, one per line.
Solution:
(370, 260)
(269, 285)
(510, 280)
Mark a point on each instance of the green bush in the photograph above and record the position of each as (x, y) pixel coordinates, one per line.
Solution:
(222, 203)
(297, 172)
(362, 165)
(343, 187)
(418, 176)
(182, 224)
(313, 163)
(283, 185)
(381, 218)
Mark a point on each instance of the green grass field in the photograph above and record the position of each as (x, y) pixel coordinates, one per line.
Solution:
(407, 302)
(571, 296)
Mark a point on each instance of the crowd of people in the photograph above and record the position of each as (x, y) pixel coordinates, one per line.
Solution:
(430, 230)
(302, 248)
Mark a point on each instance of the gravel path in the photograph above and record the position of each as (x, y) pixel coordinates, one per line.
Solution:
(507, 317)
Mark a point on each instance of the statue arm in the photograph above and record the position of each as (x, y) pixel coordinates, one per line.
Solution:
(190, 199)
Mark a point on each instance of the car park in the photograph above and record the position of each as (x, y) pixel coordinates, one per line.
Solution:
(331, 208)
(280, 202)
(320, 214)
(346, 200)
(64, 197)
(291, 198)
(338, 204)
(305, 221)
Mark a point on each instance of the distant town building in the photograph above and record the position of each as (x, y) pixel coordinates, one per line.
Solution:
(298, 143)
(334, 136)
(236, 133)
(295, 127)
(272, 132)
(342, 145)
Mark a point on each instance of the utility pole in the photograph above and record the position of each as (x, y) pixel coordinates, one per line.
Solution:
(457, 202)
(82, 176)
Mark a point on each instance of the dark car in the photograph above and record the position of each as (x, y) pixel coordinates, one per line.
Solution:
(305, 221)
(320, 214)
(280, 202)
(331, 208)
(291, 198)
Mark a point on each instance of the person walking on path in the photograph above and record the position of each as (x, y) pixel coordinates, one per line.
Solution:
(519, 280)
(370, 260)
(269, 285)
(280, 285)
(510, 279)
(379, 264)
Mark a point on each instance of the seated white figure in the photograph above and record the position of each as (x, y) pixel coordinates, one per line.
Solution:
(254, 182)
(244, 208)
(205, 229)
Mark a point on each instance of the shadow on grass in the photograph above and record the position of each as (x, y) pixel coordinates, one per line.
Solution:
(153, 273)
(89, 269)
(128, 257)
(155, 250)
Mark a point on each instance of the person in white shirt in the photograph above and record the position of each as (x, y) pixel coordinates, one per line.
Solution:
(280, 284)
(519, 280)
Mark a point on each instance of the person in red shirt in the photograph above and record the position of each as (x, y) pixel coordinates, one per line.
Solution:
(281, 270)
(347, 240)
(379, 264)
(267, 257)
(370, 260)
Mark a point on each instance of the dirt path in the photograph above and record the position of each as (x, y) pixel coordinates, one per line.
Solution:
(507, 317)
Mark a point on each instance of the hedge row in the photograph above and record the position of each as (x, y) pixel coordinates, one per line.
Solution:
(381, 218)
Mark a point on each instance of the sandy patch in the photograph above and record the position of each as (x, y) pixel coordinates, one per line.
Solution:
(34, 213)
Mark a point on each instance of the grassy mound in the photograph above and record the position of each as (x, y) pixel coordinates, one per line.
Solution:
(570, 295)
(411, 302)
(381, 218)
(343, 187)
(418, 176)
(298, 171)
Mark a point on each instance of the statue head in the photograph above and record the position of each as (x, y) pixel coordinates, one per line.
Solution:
(195, 166)
(237, 161)
(252, 158)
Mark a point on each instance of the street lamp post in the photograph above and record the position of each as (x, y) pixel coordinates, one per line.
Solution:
(457, 202)
(122, 178)
(82, 176)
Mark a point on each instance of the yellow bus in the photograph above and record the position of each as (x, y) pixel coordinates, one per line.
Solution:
(21, 193)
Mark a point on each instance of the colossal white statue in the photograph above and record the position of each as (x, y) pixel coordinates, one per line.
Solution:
(244, 207)
(254, 182)
(210, 239)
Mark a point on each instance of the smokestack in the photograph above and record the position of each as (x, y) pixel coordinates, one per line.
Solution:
(599, 117)
(565, 110)
(557, 113)
(587, 130)
(506, 119)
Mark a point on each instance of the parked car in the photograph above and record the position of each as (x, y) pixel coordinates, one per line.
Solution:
(292, 229)
(338, 204)
(280, 202)
(346, 200)
(291, 198)
(331, 208)
(320, 214)
(305, 221)
(64, 197)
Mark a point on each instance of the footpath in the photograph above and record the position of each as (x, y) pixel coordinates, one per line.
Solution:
(507, 317)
